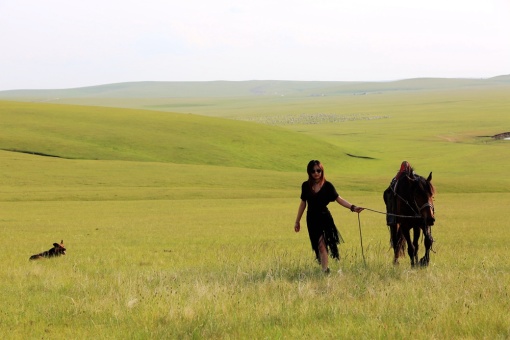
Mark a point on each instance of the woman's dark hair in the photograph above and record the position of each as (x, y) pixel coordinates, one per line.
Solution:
(310, 169)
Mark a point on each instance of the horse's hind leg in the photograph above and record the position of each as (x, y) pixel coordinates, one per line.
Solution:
(424, 261)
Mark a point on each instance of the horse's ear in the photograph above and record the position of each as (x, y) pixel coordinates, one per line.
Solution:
(430, 177)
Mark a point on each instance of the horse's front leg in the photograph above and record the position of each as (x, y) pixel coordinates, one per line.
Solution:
(424, 261)
(410, 247)
(416, 243)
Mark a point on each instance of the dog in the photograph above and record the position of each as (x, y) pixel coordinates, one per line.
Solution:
(57, 250)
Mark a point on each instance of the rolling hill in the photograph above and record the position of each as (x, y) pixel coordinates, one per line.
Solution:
(442, 125)
(79, 132)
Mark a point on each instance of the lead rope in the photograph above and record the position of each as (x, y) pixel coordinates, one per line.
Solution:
(384, 213)
(361, 240)
(379, 212)
(389, 214)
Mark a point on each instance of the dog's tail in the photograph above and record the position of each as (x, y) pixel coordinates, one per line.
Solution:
(35, 257)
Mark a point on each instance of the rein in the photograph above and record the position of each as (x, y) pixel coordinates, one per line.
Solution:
(389, 214)
(417, 215)
(410, 207)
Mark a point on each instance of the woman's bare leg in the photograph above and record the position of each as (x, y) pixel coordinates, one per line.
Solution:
(323, 253)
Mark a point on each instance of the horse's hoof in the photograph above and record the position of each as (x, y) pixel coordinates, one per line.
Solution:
(424, 262)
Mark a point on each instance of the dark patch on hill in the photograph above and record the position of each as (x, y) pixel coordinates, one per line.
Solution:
(355, 156)
(35, 153)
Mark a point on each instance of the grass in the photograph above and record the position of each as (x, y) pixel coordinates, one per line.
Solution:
(201, 247)
(178, 269)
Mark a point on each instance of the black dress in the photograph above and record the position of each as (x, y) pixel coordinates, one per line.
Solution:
(319, 220)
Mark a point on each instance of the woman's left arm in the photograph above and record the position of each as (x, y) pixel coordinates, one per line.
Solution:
(348, 205)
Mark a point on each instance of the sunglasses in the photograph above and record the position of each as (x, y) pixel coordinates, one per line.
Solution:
(316, 171)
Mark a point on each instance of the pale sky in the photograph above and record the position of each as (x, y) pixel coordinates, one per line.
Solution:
(74, 43)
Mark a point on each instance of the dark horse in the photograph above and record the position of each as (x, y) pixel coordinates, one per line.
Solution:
(414, 209)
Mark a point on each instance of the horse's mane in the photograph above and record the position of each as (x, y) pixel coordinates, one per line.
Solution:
(422, 182)
(427, 186)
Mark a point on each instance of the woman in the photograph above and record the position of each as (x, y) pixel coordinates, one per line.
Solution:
(317, 193)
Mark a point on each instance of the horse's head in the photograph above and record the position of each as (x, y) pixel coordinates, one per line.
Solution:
(417, 196)
(423, 194)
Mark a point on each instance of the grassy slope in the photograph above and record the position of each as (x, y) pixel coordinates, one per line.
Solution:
(120, 134)
(159, 249)
(35, 178)
(437, 131)
(445, 132)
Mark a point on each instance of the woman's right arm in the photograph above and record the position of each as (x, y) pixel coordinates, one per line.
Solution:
(301, 209)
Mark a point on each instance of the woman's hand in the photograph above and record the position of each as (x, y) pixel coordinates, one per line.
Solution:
(297, 227)
(356, 209)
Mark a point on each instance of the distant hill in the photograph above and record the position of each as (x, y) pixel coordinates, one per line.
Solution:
(153, 89)
(505, 78)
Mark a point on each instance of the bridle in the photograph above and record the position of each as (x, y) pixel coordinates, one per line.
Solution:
(416, 214)
(425, 205)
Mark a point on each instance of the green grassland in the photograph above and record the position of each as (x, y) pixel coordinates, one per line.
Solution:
(178, 220)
